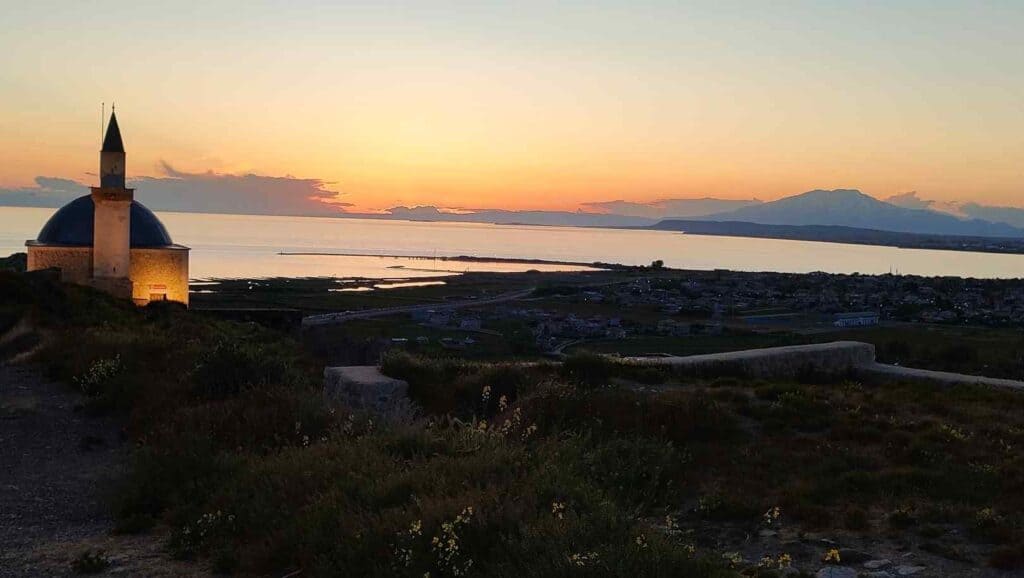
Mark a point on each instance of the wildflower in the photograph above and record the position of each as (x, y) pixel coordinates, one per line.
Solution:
(502, 403)
(785, 561)
(446, 547)
(670, 523)
(766, 562)
(954, 432)
(558, 509)
(733, 558)
(831, 557)
(98, 373)
(583, 558)
(641, 541)
(529, 431)
(485, 395)
(772, 515)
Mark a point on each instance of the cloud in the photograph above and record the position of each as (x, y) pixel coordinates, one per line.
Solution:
(48, 192)
(207, 192)
(250, 193)
(667, 208)
(909, 200)
(502, 216)
(1010, 215)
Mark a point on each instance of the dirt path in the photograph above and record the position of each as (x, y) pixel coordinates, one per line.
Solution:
(56, 466)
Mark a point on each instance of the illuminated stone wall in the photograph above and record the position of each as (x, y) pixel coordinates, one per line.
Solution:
(75, 263)
(160, 271)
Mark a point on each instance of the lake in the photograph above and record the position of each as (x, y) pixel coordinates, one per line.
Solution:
(249, 246)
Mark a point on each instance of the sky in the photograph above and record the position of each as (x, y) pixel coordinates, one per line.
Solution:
(524, 105)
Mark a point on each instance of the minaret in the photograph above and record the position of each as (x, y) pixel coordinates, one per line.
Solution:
(111, 247)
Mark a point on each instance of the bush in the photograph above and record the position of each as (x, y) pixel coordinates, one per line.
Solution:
(230, 366)
(588, 370)
(90, 562)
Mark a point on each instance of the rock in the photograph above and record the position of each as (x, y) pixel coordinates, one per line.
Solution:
(767, 533)
(836, 572)
(877, 564)
(851, 556)
(366, 388)
(908, 570)
(876, 574)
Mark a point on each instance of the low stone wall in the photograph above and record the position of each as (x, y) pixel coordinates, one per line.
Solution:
(365, 388)
(821, 359)
(882, 372)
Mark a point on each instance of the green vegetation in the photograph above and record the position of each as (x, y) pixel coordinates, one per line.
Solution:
(592, 467)
(843, 457)
(90, 562)
(237, 453)
(16, 262)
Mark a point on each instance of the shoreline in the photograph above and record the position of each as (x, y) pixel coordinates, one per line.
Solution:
(595, 266)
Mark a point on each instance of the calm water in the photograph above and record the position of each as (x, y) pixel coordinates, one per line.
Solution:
(248, 246)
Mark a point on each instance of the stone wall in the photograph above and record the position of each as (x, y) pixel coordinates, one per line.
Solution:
(75, 263)
(154, 271)
(824, 359)
(160, 271)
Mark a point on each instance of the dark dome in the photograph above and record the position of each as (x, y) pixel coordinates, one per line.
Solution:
(73, 225)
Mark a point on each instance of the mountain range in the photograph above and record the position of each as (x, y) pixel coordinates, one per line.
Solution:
(211, 192)
(852, 208)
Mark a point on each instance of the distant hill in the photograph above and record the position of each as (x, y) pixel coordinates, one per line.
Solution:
(852, 208)
(670, 208)
(840, 234)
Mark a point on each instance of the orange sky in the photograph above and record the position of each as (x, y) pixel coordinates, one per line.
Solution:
(531, 106)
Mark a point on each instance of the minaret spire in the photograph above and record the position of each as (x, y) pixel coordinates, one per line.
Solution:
(112, 142)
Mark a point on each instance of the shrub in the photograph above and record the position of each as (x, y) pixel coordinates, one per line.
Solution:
(90, 562)
(230, 366)
(588, 370)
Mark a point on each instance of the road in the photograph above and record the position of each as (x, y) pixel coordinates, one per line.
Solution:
(342, 317)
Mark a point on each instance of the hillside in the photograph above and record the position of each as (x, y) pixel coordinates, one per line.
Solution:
(840, 234)
(851, 208)
(592, 467)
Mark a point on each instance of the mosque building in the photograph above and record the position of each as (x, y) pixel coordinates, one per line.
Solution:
(110, 241)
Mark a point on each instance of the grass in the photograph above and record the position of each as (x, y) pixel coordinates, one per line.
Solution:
(872, 460)
(236, 452)
(515, 469)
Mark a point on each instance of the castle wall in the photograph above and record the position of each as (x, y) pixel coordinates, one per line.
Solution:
(75, 263)
(160, 272)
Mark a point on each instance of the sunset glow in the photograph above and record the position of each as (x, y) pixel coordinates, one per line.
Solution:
(528, 105)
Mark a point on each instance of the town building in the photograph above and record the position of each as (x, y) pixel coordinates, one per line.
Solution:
(110, 241)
